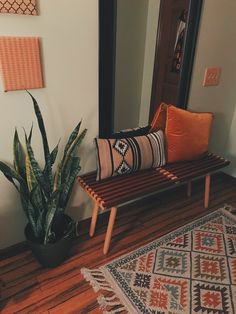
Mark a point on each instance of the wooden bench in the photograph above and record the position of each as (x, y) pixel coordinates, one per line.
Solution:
(116, 191)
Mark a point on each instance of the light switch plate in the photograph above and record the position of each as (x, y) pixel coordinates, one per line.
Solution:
(212, 76)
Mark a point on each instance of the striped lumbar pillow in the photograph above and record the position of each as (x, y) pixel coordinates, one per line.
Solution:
(125, 155)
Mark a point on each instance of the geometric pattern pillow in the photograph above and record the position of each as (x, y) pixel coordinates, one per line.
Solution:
(126, 155)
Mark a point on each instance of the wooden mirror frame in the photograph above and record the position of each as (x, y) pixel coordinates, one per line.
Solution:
(107, 37)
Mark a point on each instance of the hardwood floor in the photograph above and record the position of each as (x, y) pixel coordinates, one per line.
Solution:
(28, 288)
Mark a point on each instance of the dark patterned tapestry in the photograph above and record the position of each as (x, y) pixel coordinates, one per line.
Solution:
(18, 7)
(179, 43)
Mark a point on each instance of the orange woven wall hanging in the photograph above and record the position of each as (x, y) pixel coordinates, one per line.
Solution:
(18, 7)
(20, 63)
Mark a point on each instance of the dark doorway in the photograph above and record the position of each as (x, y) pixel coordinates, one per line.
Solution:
(169, 52)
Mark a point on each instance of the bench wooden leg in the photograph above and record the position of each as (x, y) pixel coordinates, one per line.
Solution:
(109, 229)
(94, 219)
(207, 190)
(189, 188)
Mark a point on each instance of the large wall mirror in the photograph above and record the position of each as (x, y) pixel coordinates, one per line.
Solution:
(146, 57)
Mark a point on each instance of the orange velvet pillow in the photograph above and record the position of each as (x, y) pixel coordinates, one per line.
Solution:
(159, 119)
(187, 134)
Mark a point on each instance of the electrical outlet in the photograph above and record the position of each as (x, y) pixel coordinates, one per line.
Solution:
(212, 76)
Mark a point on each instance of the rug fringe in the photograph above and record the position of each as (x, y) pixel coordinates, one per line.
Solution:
(228, 207)
(229, 211)
(108, 304)
(105, 302)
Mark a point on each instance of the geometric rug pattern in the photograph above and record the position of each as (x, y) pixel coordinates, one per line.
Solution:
(190, 270)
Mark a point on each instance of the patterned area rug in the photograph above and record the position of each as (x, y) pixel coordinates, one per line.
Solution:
(190, 270)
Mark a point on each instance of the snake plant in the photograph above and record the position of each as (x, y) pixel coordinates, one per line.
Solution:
(44, 193)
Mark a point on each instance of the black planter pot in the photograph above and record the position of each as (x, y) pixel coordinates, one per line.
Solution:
(52, 254)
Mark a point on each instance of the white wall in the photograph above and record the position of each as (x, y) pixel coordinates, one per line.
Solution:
(69, 32)
(217, 47)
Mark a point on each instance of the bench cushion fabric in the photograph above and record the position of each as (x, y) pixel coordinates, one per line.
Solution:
(126, 155)
(187, 134)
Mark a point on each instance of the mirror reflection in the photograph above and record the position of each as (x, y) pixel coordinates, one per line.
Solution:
(149, 45)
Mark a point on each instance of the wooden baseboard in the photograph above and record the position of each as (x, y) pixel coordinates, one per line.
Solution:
(13, 250)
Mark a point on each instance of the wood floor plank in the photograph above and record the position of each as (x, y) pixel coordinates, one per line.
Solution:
(26, 284)
(20, 272)
(56, 295)
(31, 289)
(81, 303)
(14, 260)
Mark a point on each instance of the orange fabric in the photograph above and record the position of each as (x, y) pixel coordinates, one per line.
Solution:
(187, 134)
(159, 119)
(20, 63)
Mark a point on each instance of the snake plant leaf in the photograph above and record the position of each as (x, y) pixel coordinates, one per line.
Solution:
(19, 156)
(30, 177)
(36, 198)
(12, 181)
(11, 173)
(53, 154)
(72, 151)
(30, 213)
(48, 168)
(41, 125)
(61, 174)
(30, 134)
(76, 143)
(24, 203)
(71, 230)
(36, 169)
(72, 137)
(40, 223)
(68, 168)
(57, 176)
(29, 173)
(68, 185)
(48, 222)
(51, 212)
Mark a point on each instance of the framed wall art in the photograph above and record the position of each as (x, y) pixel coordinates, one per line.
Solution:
(20, 63)
(27, 7)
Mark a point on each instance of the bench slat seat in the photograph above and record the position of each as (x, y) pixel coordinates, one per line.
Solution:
(115, 191)
(191, 169)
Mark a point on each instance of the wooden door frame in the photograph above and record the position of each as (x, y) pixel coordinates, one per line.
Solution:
(107, 27)
(107, 39)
